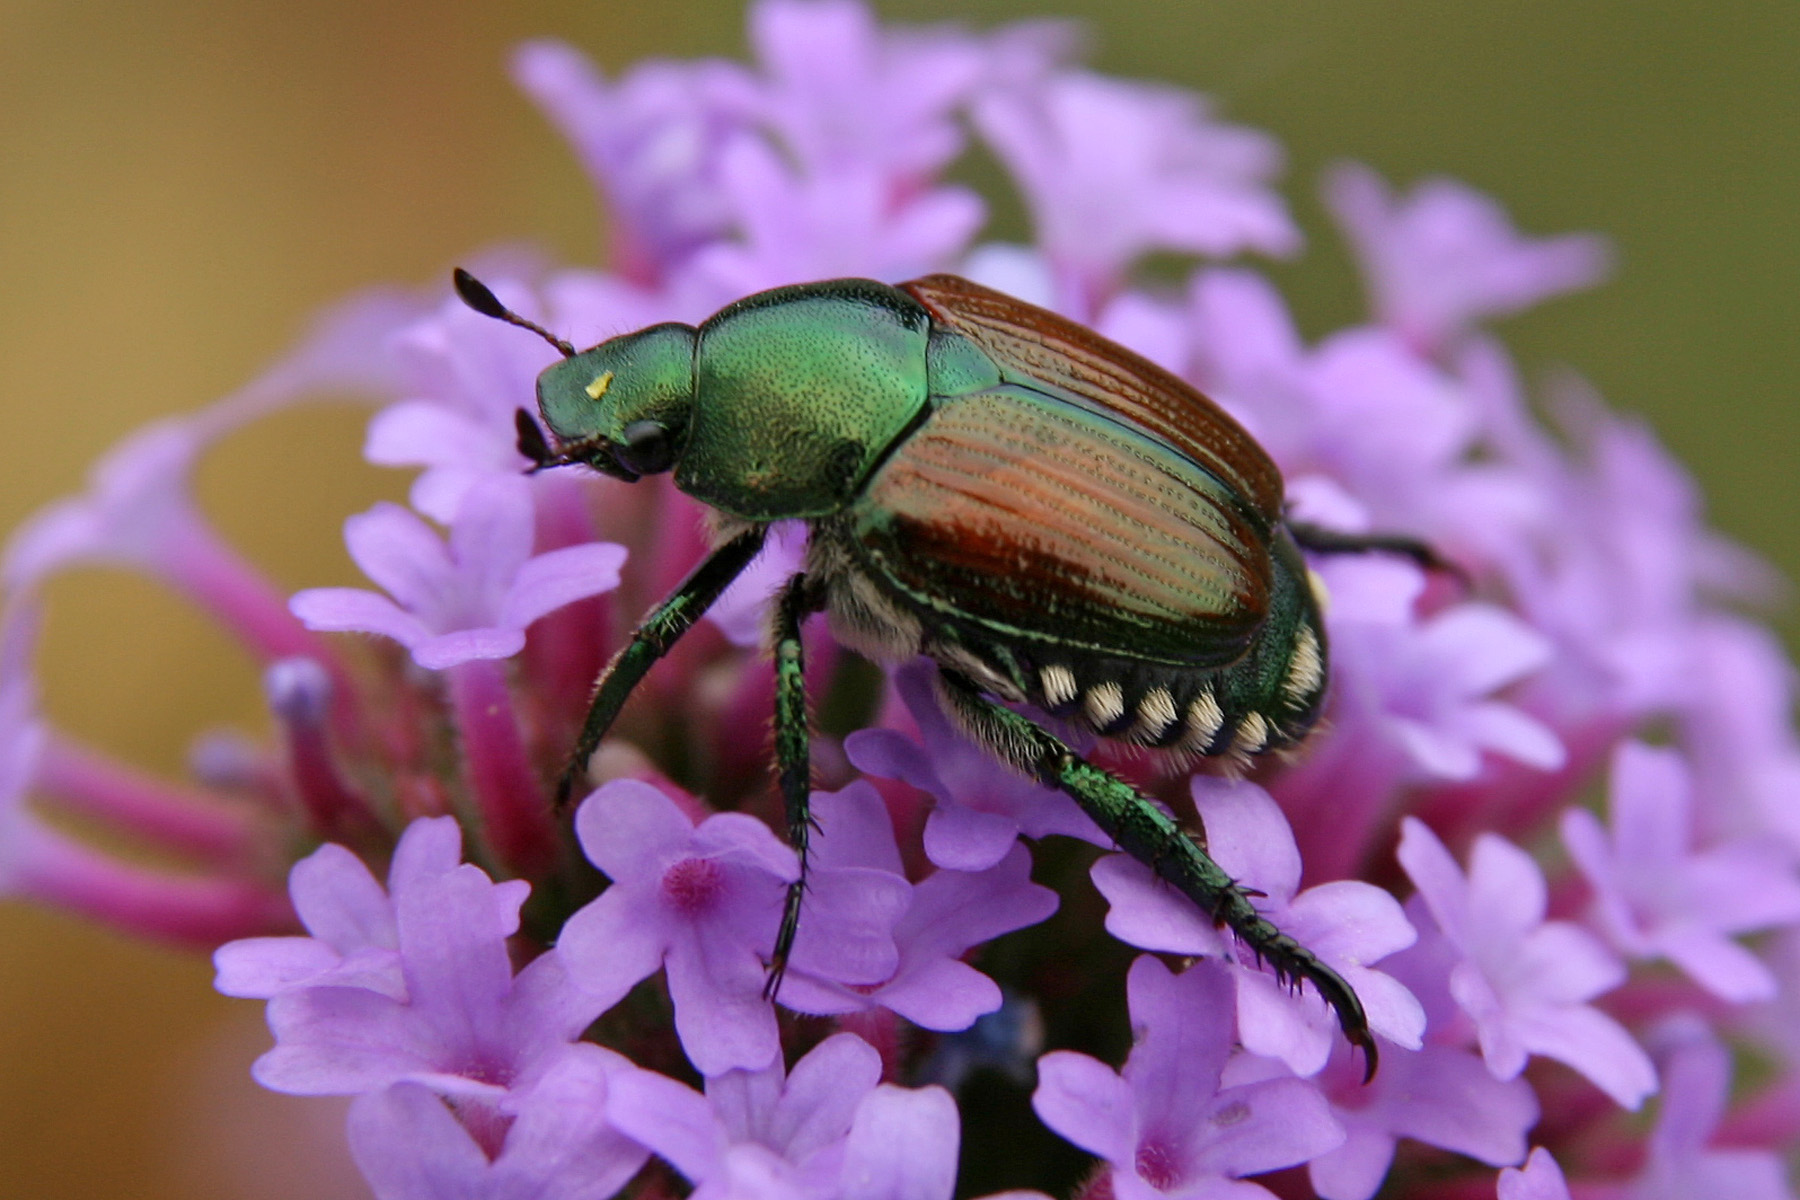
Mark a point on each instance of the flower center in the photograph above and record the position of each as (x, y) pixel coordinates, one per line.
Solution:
(1158, 1165)
(691, 885)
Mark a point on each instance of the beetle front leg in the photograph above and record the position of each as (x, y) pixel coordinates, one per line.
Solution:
(798, 599)
(1149, 835)
(658, 631)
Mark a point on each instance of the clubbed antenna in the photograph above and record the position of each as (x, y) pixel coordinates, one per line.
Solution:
(478, 296)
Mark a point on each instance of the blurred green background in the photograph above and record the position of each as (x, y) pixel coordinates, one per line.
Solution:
(182, 183)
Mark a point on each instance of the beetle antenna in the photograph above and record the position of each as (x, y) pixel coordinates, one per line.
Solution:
(478, 296)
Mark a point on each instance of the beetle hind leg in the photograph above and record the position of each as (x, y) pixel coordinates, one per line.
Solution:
(1149, 835)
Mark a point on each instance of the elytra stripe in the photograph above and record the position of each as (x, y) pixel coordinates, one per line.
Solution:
(1039, 345)
(1035, 516)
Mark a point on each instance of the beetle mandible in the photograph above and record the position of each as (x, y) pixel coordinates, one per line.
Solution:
(1050, 517)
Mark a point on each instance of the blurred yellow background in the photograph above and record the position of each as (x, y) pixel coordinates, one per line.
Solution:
(182, 182)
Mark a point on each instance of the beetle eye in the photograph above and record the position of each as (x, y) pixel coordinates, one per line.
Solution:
(645, 448)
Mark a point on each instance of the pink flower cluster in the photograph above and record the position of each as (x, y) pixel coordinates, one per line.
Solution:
(528, 1007)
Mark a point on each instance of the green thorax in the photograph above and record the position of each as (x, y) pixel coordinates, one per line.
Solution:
(798, 393)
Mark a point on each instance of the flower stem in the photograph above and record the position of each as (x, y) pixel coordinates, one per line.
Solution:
(185, 820)
(514, 809)
(221, 581)
(188, 910)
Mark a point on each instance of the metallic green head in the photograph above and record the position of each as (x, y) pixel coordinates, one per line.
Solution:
(624, 407)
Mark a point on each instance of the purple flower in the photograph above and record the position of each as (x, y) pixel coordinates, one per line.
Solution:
(1425, 685)
(1164, 1123)
(1655, 896)
(1524, 981)
(1616, 568)
(982, 807)
(844, 92)
(828, 1129)
(1539, 1179)
(948, 914)
(465, 377)
(1348, 924)
(1600, 609)
(1737, 734)
(139, 513)
(1682, 1162)
(1112, 170)
(1447, 257)
(1437, 1095)
(415, 988)
(651, 143)
(470, 600)
(1441, 1094)
(703, 902)
(1393, 430)
(550, 1141)
(800, 226)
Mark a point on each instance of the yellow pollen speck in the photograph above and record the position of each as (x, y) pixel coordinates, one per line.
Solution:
(597, 389)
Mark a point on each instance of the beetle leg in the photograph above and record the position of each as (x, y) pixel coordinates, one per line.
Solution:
(658, 631)
(1149, 835)
(1321, 540)
(799, 599)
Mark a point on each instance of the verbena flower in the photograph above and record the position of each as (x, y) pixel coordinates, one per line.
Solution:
(524, 1005)
(1166, 1122)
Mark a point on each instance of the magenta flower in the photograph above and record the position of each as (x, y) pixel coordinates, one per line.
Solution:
(462, 380)
(799, 227)
(1426, 686)
(1523, 981)
(355, 940)
(1539, 1179)
(472, 599)
(650, 142)
(1682, 1161)
(1437, 1095)
(414, 987)
(1348, 924)
(1447, 256)
(1655, 896)
(552, 1140)
(982, 807)
(702, 902)
(1112, 170)
(829, 1128)
(843, 91)
(948, 914)
(1164, 1123)
(43, 863)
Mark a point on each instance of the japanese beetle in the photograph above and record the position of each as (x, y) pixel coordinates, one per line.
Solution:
(1053, 519)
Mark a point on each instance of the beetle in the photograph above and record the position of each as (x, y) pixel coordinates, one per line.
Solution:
(1053, 519)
